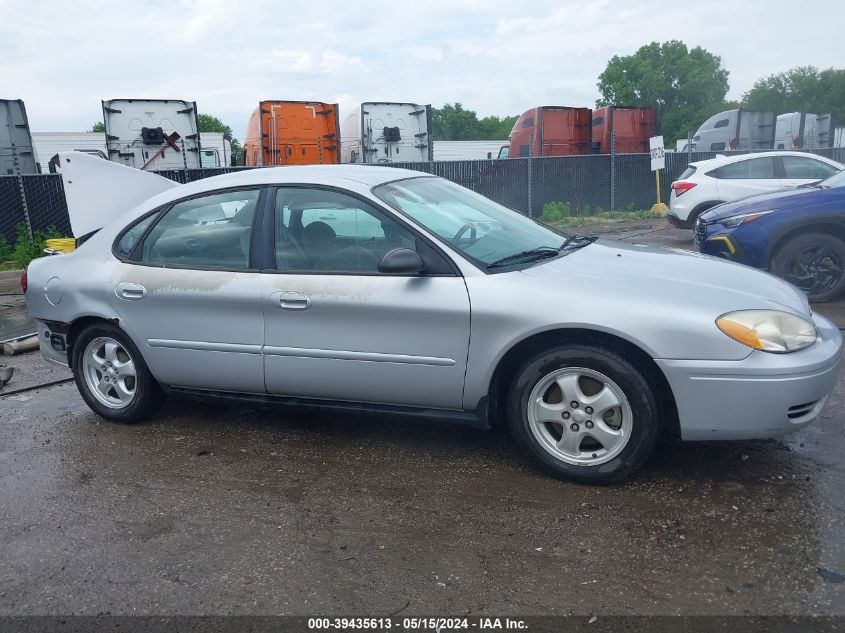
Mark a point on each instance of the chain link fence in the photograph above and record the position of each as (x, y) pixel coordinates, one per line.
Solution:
(577, 184)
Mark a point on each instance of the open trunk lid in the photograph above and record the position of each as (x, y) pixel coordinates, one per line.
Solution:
(98, 191)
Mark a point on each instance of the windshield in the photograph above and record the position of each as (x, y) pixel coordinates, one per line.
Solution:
(836, 180)
(481, 229)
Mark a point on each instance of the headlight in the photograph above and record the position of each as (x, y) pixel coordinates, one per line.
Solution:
(745, 218)
(768, 330)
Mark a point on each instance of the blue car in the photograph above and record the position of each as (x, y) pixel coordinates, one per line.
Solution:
(798, 234)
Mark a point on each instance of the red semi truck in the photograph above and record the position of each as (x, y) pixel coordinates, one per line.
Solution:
(550, 131)
(633, 128)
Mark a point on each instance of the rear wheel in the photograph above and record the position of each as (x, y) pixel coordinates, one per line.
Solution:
(813, 262)
(584, 412)
(112, 377)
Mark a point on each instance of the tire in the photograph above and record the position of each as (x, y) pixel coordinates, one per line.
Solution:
(616, 444)
(814, 262)
(104, 355)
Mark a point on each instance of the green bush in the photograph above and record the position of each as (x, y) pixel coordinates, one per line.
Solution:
(555, 211)
(5, 250)
(26, 249)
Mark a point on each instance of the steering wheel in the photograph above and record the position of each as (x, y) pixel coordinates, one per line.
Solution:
(473, 234)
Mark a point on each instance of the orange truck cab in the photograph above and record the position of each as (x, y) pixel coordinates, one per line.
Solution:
(292, 133)
(551, 131)
(633, 128)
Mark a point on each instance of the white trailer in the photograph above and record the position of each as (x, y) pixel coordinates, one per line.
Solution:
(216, 150)
(17, 154)
(48, 144)
(803, 130)
(468, 150)
(382, 132)
(152, 134)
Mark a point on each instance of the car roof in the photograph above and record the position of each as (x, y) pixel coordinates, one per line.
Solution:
(369, 175)
(723, 159)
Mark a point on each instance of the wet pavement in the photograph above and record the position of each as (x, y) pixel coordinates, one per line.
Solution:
(209, 509)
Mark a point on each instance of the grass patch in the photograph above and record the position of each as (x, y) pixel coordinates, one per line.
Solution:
(562, 214)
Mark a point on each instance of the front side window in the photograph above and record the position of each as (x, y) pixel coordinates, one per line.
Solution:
(319, 230)
(483, 230)
(211, 231)
(806, 168)
(753, 169)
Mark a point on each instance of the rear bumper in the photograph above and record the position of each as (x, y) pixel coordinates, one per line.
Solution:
(764, 395)
(677, 222)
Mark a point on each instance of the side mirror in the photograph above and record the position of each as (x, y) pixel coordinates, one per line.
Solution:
(401, 261)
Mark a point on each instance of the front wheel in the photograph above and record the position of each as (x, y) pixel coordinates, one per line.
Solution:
(814, 263)
(584, 412)
(112, 377)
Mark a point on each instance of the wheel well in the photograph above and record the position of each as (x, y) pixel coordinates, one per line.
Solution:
(701, 208)
(832, 228)
(75, 328)
(514, 357)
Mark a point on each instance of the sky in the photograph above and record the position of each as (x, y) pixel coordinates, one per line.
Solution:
(495, 57)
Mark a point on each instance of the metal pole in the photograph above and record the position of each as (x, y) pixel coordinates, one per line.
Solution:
(689, 147)
(530, 175)
(22, 192)
(657, 180)
(613, 170)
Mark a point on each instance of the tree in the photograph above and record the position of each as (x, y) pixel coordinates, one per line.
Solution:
(800, 89)
(454, 123)
(99, 126)
(208, 123)
(683, 86)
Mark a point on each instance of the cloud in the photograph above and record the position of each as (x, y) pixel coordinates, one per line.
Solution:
(333, 62)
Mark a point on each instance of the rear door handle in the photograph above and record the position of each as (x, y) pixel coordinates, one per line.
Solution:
(293, 301)
(129, 291)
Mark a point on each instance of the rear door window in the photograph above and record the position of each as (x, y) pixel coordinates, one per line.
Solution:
(212, 231)
(752, 169)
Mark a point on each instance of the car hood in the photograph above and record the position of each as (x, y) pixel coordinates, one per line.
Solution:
(671, 276)
(783, 199)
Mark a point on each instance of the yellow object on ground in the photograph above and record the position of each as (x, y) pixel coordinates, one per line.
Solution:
(660, 209)
(62, 244)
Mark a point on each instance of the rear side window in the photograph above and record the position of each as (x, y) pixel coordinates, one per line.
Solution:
(212, 231)
(529, 122)
(806, 168)
(130, 237)
(722, 123)
(599, 120)
(754, 169)
(717, 147)
(689, 171)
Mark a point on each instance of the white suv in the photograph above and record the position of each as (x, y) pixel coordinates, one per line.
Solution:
(707, 183)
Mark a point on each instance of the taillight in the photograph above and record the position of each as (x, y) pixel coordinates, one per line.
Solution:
(680, 187)
(23, 280)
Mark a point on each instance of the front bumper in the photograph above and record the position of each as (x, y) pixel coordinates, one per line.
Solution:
(764, 395)
(721, 244)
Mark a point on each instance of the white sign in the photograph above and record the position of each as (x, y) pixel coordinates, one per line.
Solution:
(658, 153)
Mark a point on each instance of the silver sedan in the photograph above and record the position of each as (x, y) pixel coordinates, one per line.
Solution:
(379, 289)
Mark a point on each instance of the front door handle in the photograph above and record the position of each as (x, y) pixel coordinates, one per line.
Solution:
(293, 301)
(129, 291)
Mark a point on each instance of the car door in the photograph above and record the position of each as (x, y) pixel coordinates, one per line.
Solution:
(336, 328)
(188, 296)
(746, 177)
(800, 170)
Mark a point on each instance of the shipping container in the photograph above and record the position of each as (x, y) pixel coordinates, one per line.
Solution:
(386, 132)
(804, 130)
(152, 134)
(292, 133)
(17, 154)
(633, 127)
(551, 131)
(736, 130)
